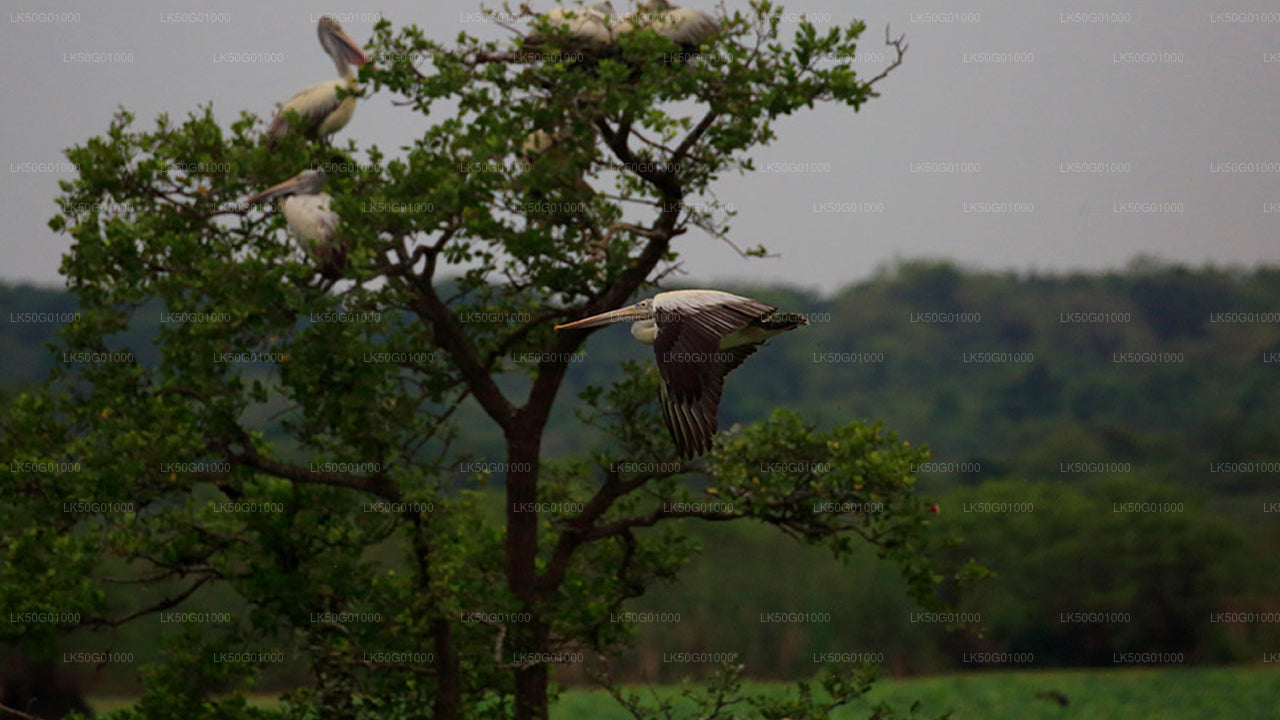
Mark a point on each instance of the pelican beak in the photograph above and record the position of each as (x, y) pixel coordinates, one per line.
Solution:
(285, 188)
(630, 312)
(348, 48)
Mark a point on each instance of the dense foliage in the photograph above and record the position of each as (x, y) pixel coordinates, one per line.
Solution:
(1111, 562)
(293, 439)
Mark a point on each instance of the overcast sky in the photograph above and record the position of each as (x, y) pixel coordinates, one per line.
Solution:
(1047, 135)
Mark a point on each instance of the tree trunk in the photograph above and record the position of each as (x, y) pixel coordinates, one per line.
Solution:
(524, 441)
(531, 682)
(448, 689)
(448, 695)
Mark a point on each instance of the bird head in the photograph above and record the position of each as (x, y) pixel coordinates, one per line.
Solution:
(642, 310)
(307, 182)
(338, 44)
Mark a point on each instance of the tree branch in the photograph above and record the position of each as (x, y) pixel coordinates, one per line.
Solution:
(691, 139)
(162, 605)
(376, 484)
(19, 713)
(653, 518)
(900, 46)
(579, 527)
(454, 340)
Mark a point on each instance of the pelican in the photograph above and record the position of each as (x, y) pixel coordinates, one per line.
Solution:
(306, 210)
(686, 27)
(321, 111)
(555, 176)
(587, 26)
(553, 152)
(698, 337)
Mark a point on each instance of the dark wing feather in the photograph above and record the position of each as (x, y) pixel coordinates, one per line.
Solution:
(693, 366)
(692, 421)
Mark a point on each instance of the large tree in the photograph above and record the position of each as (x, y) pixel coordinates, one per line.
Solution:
(325, 409)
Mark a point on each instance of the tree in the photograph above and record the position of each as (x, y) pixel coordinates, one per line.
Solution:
(1103, 569)
(297, 440)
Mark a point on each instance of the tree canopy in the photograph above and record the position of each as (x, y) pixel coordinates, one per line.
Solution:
(404, 592)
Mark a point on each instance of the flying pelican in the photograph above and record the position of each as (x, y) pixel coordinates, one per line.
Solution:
(319, 107)
(698, 337)
(686, 27)
(306, 210)
(587, 26)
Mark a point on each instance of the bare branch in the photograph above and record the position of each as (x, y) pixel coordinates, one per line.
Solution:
(164, 604)
(711, 230)
(900, 46)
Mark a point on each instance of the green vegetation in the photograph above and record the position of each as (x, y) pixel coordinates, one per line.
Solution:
(1125, 433)
(1171, 422)
(1229, 693)
(1168, 694)
(287, 439)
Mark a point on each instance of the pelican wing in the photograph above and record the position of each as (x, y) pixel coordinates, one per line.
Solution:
(686, 26)
(310, 218)
(313, 104)
(692, 422)
(586, 26)
(693, 366)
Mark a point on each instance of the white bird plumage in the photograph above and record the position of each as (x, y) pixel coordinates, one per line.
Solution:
(684, 26)
(321, 111)
(698, 337)
(587, 26)
(306, 211)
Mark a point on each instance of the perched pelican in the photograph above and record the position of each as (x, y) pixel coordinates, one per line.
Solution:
(557, 154)
(698, 337)
(553, 153)
(686, 27)
(587, 26)
(319, 107)
(537, 143)
(306, 210)
(555, 177)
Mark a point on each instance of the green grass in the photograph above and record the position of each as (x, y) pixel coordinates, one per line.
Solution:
(1169, 694)
(1230, 693)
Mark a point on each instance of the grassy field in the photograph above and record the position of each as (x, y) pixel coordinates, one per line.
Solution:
(1244, 693)
(1233, 693)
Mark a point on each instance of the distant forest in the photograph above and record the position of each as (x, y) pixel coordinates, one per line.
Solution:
(1108, 443)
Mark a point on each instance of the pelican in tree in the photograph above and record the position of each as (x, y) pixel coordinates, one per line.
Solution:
(321, 112)
(684, 26)
(306, 210)
(554, 155)
(587, 26)
(698, 337)
(556, 176)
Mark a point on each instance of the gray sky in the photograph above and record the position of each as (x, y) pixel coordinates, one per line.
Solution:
(1017, 135)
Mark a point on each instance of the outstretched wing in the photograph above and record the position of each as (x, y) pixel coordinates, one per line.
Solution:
(691, 420)
(692, 365)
